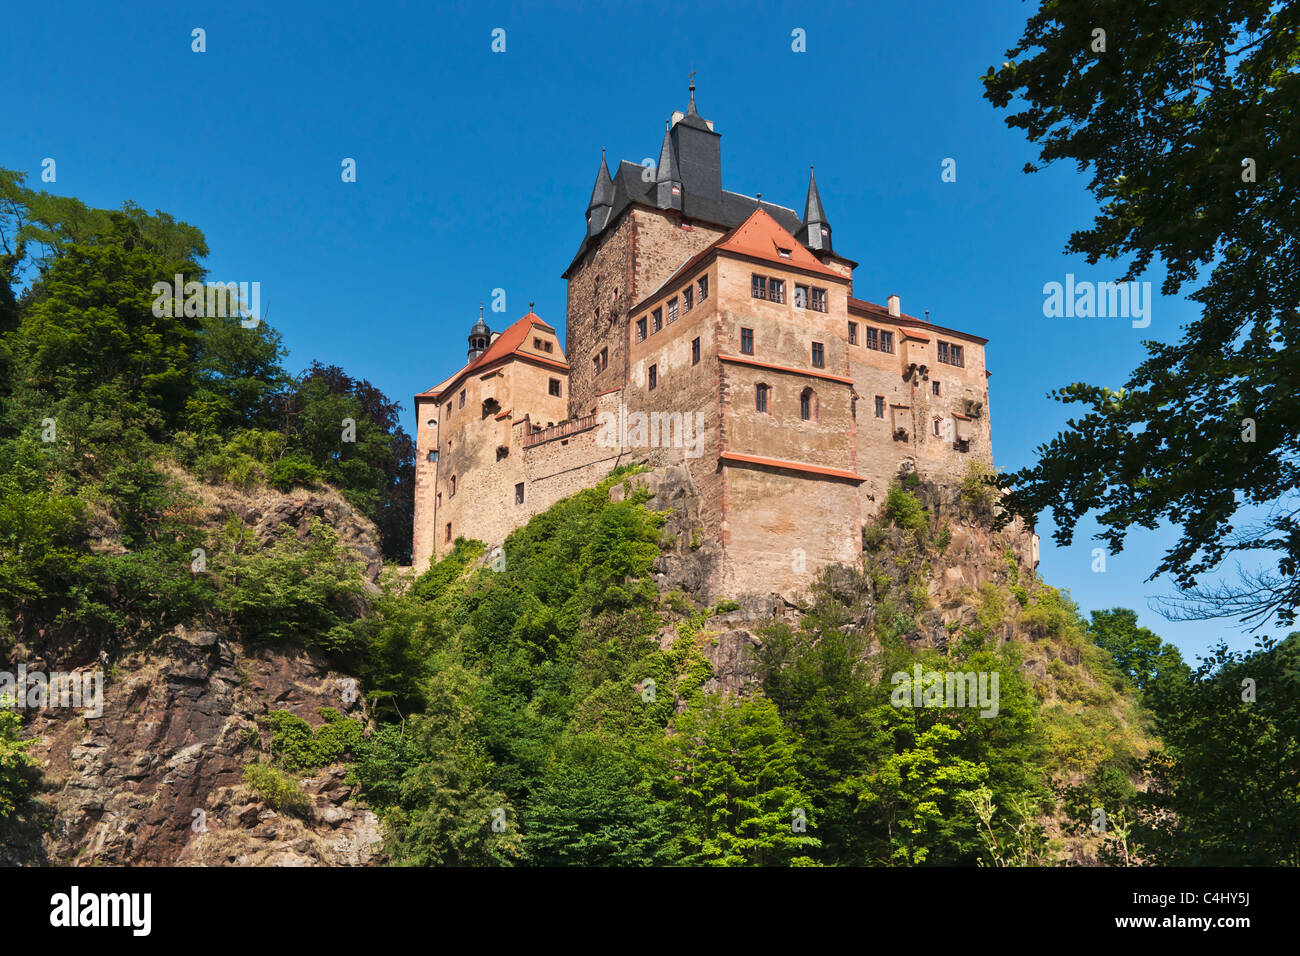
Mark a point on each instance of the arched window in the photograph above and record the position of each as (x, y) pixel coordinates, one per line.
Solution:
(808, 405)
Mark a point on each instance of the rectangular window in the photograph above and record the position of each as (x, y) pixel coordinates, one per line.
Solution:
(880, 406)
(704, 287)
(462, 398)
(801, 296)
(656, 320)
(818, 300)
(785, 253)
(640, 329)
(543, 346)
(653, 376)
(951, 354)
(746, 341)
(448, 537)
(886, 341)
(600, 359)
(688, 299)
(873, 338)
(758, 287)
(519, 493)
(776, 290)
(672, 309)
(818, 355)
(934, 387)
(554, 386)
(937, 426)
(452, 492)
(853, 333)
(695, 351)
(760, 397)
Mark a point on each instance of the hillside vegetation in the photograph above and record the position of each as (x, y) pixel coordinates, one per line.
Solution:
(555, 706)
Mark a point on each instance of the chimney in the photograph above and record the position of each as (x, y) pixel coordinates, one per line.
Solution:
(893, 305)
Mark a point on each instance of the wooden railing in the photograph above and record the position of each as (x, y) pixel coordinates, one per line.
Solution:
(571, 427)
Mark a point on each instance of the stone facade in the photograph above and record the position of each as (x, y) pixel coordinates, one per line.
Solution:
(735, 354)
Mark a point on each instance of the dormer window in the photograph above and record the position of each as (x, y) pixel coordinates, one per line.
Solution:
(784, 253)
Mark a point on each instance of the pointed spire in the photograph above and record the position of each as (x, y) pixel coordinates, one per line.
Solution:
(602, 198)
(816, 231)
(667, 169)
(690, 108)
(602, 193)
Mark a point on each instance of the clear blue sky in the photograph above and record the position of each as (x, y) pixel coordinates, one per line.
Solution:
(474, 169)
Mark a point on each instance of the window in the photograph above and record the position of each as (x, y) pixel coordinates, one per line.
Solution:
(951, 354)
(553, 386)
(761, 396)
(853, 333)
(937, 426)
(433, 456)
(439, 501)
(746, 341)
(818, 355)
(880, 406)
(934, 387)
(758, 287)
(695, 351)
(817, 300)
(453, 487)
(462, 398)
(653, 376)
(448, 536)
(640, 329)
(808, 405)
(688, 299)
(519, 493)
(784, 253)
(672, 309)
(801, 297)
(776, 290)
(656, 320)
(886, 341)
(704, 287)
(601, 359)
(542, 345)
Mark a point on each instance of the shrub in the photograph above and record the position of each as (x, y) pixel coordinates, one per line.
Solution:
(298, 748)
(17, 766)
(905, 511)
(277, 788)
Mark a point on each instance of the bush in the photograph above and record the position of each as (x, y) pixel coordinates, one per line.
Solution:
(277, 788)
(293, 470)
(299, 748)
(17, 766)
(906, 512)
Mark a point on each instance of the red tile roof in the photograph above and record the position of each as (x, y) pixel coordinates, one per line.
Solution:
(761, 237)
(505, 344)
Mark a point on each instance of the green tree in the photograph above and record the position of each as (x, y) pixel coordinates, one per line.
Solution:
(1187, 117)
(17, 765)
(595, 807)
(738, 785)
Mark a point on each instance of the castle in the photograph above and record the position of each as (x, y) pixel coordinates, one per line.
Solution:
(714, 332)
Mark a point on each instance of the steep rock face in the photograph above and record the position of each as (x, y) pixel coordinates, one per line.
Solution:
(158, 777)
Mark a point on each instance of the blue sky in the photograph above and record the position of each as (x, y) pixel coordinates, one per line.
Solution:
(474, 169)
